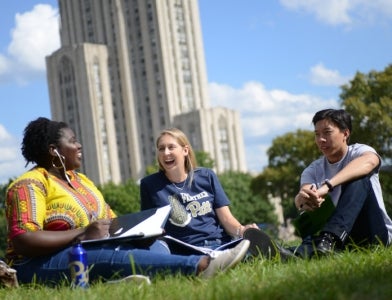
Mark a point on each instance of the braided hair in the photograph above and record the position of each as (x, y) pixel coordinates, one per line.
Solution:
(38, 135)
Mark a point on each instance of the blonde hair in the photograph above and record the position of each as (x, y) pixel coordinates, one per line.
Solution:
(190, 162)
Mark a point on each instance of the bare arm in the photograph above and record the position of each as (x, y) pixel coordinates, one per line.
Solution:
(231, 225)
(43, 242)
(357, 168)
(309, 198)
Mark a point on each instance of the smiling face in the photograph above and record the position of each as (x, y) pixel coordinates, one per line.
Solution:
(331, 140)
(70, 148)
(171, 155)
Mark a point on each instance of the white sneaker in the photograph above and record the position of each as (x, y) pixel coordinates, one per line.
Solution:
(228, 259)
(139, 279)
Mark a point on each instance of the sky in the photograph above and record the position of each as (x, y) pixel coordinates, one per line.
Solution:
(275, 62)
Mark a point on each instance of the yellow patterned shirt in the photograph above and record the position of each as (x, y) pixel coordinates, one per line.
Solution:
(38, 200)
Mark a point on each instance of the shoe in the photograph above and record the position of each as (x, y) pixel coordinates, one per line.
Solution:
(306, 249)
(7, 276)
(261, 243)
(138, 279)
(328, 243)
(228, 259)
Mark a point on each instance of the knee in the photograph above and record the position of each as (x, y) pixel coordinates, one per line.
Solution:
(160, 247)
(361, 185)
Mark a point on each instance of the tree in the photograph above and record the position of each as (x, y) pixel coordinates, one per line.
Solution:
(368, 98)
(3, 220)
(151, 169)
(287, 157)
(204, 159)
(246, 206)
(386, 184)
(122, 198)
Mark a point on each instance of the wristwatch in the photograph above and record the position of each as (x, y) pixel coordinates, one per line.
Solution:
(329, 185)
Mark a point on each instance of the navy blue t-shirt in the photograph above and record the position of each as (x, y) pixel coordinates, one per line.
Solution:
(193, 218)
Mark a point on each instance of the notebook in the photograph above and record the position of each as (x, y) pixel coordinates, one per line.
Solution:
(311, 222)
(177, 246)
(145, 224)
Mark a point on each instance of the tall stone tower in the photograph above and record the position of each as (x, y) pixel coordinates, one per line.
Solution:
(127, 69)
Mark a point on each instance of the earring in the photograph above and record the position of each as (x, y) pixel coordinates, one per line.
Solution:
(54, 164)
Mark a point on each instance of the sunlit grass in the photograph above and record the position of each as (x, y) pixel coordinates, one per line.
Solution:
(363, 274)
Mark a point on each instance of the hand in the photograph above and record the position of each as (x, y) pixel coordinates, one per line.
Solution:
(96, 230)
(253, 225)
(308, 198)
(245, 227)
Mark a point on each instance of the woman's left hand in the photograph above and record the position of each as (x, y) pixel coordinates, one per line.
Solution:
(245, 227)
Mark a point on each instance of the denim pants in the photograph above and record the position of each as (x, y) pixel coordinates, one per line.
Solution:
(357, 218)
(106, 262)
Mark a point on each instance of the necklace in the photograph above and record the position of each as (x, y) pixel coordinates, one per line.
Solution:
(183, 185)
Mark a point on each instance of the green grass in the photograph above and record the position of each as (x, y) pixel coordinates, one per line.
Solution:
(363, 274)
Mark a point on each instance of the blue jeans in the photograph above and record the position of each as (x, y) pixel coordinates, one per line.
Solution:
(108, 261)
(357, 218)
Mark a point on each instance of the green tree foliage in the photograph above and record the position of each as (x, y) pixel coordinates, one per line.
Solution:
(204, 159)
(245, 206)
(287, 157)
(386, 184)
(122, 198)
(368, 98)
(151, 169)
(3, 222)
(3, 188)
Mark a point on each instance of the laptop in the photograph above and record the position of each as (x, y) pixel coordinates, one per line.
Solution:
(145, 224)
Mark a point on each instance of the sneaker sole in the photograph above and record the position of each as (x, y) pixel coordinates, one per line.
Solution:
(260, 243)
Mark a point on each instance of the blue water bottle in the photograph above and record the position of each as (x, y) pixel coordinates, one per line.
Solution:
(78, 266)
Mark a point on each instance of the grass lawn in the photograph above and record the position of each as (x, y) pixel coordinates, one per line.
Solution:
(363, 274)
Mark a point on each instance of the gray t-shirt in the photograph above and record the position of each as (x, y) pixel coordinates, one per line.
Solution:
(321, 169)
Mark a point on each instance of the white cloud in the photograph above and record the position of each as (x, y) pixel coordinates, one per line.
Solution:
(4, 135)
(3, 64)
(342, 12)
(11, 161)
(35, 35)
(10, 170)
(320, 75)
(266, 114)
(328, 11)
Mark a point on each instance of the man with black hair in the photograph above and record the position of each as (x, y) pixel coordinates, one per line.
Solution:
(348, 174)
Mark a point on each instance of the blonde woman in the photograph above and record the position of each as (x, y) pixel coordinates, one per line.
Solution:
(200, 208)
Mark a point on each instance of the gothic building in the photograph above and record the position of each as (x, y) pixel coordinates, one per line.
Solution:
(127, 69)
